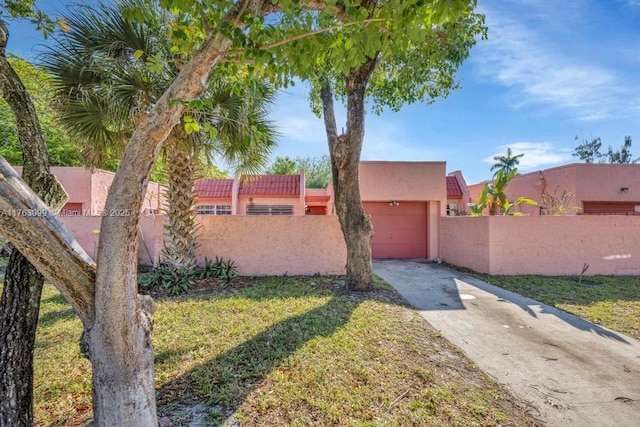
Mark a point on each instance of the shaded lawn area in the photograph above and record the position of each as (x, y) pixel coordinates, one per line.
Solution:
(283, 351)
(609, 301)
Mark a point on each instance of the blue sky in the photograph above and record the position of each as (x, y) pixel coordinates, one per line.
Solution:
(550, 71)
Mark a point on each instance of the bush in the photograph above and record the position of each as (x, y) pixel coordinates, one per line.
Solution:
(180, 280)
(218, 269)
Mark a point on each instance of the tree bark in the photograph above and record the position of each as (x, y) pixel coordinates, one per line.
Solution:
(180, 243)
(117, 323)
(121, 351)
(345, 152)
(20, 301)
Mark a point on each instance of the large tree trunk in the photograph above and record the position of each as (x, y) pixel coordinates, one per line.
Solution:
(345, 152)
(121, 351)
(180, 243)
(20, 301)
(117, 323)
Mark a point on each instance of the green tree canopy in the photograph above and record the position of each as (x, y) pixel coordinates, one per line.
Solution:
(317, 170)
(283, 166)
(62, 149)
(589, 152)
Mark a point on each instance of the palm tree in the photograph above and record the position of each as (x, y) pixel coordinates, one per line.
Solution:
(506, 163)
(108, 70)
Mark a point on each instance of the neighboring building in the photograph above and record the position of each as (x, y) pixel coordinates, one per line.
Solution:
(457, 194)
(596, 189)
(255, 195)
(87, 190)
(405, 201)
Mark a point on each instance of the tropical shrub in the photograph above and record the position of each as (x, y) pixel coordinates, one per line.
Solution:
(177, 281)
(494, 197)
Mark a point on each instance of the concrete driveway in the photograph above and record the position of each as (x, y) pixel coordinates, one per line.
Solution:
(573, 372)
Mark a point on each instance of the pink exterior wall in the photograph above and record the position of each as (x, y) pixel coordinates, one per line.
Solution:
(475, 190)
(259, 245)
(91, 188)
(545, 245)
(533, 185)
(464, 241)
(84, 230)
(408, 181)
(433, 230)
(587, 182)
(76, 182)
(275, 245)
(150, 239)
(600, 183)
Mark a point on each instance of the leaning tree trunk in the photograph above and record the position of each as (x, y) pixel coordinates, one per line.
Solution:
(117, 323)
(345, 152)
(180, 243)
(20, 301)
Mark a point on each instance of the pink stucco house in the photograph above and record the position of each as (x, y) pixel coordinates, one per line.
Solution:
(254, 195)
(404, 200)
(274, 225)
(87, 190)
(596, 189)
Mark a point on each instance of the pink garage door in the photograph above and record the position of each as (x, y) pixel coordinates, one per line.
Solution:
(398, 231)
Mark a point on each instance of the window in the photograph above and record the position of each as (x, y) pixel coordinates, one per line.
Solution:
(253, 209)
(452, 209)
(214, 209)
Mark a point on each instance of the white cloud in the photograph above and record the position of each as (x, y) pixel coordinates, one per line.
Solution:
(532, 63)
(536, 155)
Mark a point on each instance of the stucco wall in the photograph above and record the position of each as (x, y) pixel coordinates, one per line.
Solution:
(603, 182)
(464, 241)
(275, 245)
(587, 182)
(83, 229)
(403, 181)
(150, 238)
(543, 245)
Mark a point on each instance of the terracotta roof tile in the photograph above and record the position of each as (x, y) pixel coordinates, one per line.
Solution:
(453, 188)
(281, 185)
(214, 188)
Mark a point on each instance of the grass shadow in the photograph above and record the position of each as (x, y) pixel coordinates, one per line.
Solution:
(227, 379)
(50, 318)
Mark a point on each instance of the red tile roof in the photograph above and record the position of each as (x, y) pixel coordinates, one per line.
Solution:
(272, 185)
(453, 188)
(214, 188)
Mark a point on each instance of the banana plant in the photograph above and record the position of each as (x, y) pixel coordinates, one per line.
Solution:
(494, 197)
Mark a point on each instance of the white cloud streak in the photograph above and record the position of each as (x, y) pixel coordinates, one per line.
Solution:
(532, 64)
(536, 155)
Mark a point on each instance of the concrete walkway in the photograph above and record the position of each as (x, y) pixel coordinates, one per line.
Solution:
(573, 372)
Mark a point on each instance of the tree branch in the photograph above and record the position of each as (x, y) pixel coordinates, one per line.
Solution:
(46, 243)
(304, 35)
(328, 111)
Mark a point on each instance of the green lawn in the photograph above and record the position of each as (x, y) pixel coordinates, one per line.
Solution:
(609, 301)
(283, 351)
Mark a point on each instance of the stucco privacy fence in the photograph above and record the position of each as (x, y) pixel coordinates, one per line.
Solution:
(259, 245)
(544, 245)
